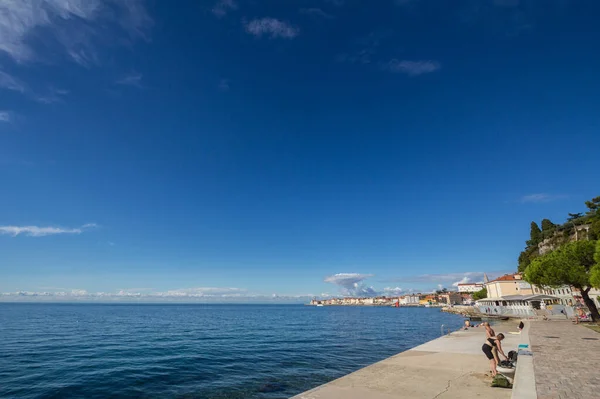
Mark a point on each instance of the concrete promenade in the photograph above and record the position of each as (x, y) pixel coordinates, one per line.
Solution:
(452, 366)
(566, 360)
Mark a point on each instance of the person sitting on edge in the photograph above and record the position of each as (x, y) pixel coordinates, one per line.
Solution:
(521, 326)
(488, 346)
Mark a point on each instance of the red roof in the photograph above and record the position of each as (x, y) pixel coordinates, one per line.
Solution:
(508, 277)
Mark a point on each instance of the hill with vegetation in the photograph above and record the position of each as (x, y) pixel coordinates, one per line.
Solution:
(566, 254)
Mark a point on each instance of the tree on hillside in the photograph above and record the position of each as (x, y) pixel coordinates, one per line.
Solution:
(535, 235)
(481, 294)
(531, 250)
(572, 264)
(593, 206)
(526, 256)
(594, 212)
(547, 226)
(595, 273)
(574, 216)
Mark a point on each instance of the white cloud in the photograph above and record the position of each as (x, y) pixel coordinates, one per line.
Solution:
(271, 27)
(36, 231)
(76, 26)
(440, 286)
(204, 291)
(222, 7)
(316, 12)
(464, 280)
(5, 116)
(351, 284)
(447, 279)
(133, 79)
(541, 197)
(199, 294)
(393, 290)
(412, 68)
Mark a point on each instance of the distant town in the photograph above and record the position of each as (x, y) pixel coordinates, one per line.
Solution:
(462, 296)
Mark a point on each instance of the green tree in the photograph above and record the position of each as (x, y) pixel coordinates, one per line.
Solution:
(574, 216)
(593, 206)
(547, 226)
(526, 257)
(595, 273)
(594, 212)
(481, 294)
(571, 264)
(535, 235)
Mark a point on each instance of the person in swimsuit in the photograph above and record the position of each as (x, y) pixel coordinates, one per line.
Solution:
(488, 346)
(489, 331)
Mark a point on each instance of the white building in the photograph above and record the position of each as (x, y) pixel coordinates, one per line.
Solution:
(409, 300)
(469, 287)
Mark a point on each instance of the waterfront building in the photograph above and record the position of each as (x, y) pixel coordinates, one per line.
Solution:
(450, 298)
(469, 287)
(509, 284)
(409, 300)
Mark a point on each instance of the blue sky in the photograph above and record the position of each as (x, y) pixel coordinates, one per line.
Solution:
(250, 148)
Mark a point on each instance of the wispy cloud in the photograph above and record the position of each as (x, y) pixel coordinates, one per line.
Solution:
(448, 278)
(393, 290)
(542, 197)
(49, 96)
(52, 31)
(271, 27)
(76, 26)
(351, 284)
(199, 294)
(36, 231)
(222, 7)
(133, 79)
(224, 84)
(5, 116)
(316, 12)
(411, 68)
(9, 82)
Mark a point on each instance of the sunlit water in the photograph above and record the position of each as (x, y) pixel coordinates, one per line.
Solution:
(197, 351)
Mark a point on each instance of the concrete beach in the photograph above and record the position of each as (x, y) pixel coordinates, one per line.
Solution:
(452, 366)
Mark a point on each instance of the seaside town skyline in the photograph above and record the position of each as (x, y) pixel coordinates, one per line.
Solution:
(225, 149)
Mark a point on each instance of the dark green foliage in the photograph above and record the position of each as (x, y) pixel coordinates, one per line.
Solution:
(548, 226)
(481, 294)
(574, 216)
(571, 264)
(595, 272)
(527, 256)
(593, 206)
(553, 235)
(535, 235)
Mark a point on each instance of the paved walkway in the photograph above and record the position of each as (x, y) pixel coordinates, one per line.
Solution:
(449, 367)
(566, 364)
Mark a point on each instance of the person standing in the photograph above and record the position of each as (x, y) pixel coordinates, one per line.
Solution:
(487, 348)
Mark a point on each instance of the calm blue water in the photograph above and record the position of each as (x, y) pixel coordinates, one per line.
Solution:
(197, 351)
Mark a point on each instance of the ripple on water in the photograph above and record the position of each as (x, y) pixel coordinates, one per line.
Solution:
(197, 351)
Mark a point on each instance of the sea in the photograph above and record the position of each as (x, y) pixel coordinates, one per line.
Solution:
(196, 350)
